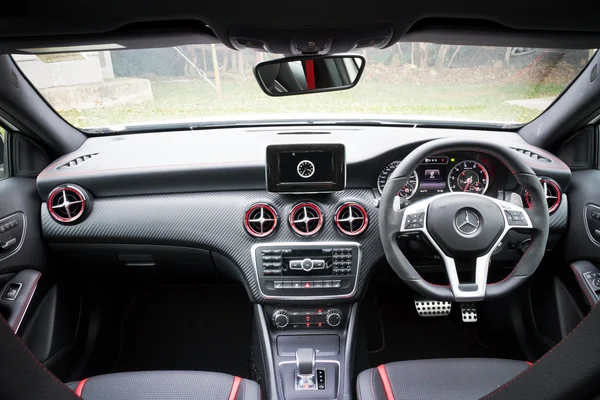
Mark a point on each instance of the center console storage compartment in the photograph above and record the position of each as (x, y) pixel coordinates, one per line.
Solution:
(324, 345)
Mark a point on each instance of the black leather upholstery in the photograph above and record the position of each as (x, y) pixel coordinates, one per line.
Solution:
(166, 385)
(448, 379)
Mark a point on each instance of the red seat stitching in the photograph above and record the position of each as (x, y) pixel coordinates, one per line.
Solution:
(38, 361)
(535, 363)
(372, 388)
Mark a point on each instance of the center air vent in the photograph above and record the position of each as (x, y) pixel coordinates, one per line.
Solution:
(306, 219)
(351, 219)
(68, 203)
(260, 220)
(77, 161)
(552, 192)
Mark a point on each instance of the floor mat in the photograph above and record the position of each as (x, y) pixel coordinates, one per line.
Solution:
(188, 328)
(406, 336)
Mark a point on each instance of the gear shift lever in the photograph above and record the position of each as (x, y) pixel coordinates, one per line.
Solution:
(305, 369)
(305, 362)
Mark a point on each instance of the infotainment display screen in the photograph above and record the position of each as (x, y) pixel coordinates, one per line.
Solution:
(306, 168)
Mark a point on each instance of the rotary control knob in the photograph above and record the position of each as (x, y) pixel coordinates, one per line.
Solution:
(334, 317)
(281, 319)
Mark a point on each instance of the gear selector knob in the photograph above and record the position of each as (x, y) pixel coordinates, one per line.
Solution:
(305, 362)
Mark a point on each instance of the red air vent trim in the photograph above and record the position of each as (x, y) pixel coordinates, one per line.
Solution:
(351, 219)
(260, 220)
(306, 219)
(552, 192)
(66, 203)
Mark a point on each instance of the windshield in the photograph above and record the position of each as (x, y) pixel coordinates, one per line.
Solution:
(412, 82)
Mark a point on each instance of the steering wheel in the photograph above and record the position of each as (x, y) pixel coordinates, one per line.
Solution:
(465, 228)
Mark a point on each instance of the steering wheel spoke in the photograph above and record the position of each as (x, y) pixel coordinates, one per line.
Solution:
(466, 222)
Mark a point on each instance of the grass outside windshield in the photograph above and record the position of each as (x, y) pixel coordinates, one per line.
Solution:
(408, 80)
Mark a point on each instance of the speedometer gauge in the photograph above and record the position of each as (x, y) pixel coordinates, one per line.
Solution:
(468, 176)
(407, 191)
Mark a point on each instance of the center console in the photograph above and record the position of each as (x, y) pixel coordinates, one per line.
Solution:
(316, 270)
(310, 349)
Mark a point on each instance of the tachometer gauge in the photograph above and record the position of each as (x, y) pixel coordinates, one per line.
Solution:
(469, 177)
(407, 191)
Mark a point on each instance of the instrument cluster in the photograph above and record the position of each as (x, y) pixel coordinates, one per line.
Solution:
(464, 172)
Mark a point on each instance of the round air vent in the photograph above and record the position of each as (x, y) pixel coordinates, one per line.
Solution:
(306, 219)
(351, 219)
(260, 220)
(553, 194)
(69, 203)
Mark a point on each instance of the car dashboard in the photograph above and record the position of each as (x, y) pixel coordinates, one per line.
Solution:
(205, 200)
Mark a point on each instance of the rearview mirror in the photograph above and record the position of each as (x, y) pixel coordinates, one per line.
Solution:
(301, 75)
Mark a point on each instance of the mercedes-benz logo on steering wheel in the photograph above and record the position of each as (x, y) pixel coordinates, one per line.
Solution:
(467, 222)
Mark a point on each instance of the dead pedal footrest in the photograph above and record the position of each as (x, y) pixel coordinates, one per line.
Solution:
(433, 308)
(469, 312)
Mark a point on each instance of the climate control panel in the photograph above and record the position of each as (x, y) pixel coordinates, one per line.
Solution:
(307, 319)
(304, 270)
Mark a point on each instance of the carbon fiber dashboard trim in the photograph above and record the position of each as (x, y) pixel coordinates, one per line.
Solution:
(560, 219)
(214, 221)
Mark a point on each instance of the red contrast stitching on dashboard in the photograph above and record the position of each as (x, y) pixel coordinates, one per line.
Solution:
(234, 389)
(386, 382)
(79, 388)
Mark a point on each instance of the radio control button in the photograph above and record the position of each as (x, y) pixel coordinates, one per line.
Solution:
(269, 272)
(318, 264)
(286, 252)
(307, 264)
(295, 264)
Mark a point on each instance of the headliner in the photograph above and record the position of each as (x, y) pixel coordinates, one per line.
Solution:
(515, 22)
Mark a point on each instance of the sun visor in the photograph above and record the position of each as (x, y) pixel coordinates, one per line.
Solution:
(132, 37)
(484, 33)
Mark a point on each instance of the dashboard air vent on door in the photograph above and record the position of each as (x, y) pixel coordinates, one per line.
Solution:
(68, 204)
(306, 219)
(260, 220)
(77, 161)
(351, 219)
(553, 194)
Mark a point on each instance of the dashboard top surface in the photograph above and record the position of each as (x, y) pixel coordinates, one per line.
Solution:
(234, 158)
